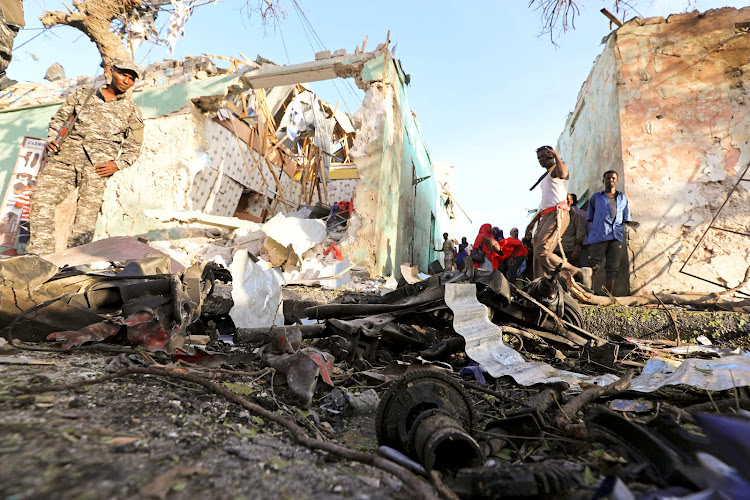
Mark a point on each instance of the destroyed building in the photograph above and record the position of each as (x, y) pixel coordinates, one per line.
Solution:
(255, 141)
(665, 107)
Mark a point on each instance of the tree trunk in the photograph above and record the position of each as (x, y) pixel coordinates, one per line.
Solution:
(94, 18)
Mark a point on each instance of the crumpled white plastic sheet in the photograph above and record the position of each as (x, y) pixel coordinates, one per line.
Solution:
(302, 234)
(256, 293)
(716, 374)
(484, 344)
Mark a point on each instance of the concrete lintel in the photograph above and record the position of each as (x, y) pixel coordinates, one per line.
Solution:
(313, 71)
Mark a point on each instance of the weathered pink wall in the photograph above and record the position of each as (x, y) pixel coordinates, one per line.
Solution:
(682, 96)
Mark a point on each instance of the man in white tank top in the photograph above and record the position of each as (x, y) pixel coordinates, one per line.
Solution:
(553, 218)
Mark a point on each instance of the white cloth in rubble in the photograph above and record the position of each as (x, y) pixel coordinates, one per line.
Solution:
(256, 293)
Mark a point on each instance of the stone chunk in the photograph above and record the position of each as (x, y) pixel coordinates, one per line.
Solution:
(55, 73)
(339, 53)
(325, 54)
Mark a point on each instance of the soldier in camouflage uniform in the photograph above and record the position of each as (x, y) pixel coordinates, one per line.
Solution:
(109, 124)
(11, 20)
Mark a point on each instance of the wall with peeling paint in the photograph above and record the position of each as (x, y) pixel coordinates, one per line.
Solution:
(684, 142)
(590, 143)
(171, 156)
(390, 155)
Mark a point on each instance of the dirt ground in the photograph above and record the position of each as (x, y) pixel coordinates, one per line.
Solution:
(145, 436)
(120, 438)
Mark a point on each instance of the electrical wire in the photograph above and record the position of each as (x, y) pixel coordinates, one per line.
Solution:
(30, 39)
(281, 33)
(320, 42)
(308, 29)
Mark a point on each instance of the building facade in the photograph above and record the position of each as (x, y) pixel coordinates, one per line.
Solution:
(665, 105)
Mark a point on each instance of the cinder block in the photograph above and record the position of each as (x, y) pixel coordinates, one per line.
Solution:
(325, 54)
(339, 53)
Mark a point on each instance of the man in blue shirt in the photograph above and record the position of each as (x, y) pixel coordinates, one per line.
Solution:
(608, 211)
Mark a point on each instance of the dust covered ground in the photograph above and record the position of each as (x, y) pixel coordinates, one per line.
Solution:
(147, 437)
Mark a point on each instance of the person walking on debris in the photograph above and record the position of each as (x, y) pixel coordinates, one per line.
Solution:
(449, 253)
(110, 124)
(608, 211)
(553, 218)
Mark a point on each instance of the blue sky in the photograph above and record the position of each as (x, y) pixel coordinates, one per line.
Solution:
(486, 88)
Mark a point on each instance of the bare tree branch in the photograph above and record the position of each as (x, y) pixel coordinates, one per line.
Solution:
(559, 16)
(94, 18)
(114, 25)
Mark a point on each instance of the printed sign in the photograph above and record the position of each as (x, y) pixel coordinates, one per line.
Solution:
(14, 215)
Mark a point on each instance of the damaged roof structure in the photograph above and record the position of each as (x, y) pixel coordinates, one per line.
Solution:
(665, 107)
(258, 142)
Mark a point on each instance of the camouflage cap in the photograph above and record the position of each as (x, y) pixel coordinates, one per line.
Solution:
(127, 65)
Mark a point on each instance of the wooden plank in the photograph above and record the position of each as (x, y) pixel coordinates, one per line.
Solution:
(244, 105)
(346, 148)
(385, 54)
(344, 173)
(249, 61)
(612, 18)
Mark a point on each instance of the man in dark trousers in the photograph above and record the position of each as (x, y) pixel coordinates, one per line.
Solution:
(608, 212)
(449, 253)
(107, 137)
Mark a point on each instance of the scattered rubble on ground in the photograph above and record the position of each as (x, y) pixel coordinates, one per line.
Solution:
(458, 386)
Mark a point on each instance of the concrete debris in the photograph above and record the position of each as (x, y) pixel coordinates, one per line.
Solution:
(528, 367)
(55, 73)
(299, 234)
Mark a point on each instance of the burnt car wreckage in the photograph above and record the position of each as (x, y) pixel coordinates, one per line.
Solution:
(410, 344)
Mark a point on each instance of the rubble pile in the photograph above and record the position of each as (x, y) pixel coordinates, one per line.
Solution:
(158, 74)
(482, 388)
(304, 246)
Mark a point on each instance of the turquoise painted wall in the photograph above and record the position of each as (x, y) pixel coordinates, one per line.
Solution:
(405, 213)
(14, 125)
(154, 102)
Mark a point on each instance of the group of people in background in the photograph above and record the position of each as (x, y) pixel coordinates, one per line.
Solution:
(491, 250)
(583, 241)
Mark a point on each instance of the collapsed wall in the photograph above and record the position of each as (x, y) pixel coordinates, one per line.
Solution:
(259, 142)
(397, 195)
(684, 141)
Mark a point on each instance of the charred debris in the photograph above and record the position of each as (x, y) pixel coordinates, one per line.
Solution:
(476, 387)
